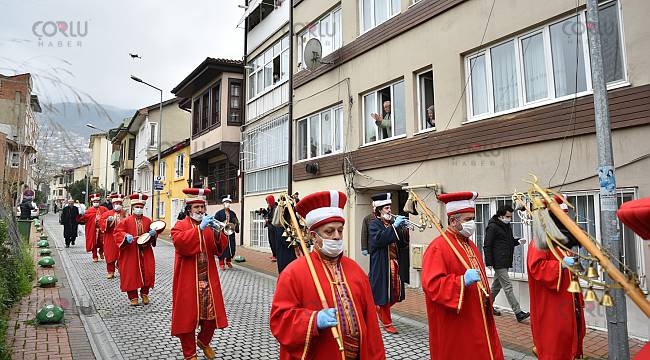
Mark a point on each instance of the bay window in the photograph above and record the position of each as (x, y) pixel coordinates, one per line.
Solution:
(269, 68)
(327, 30)
(545, 65)
(320, 134)
(384, 113)
(264, 155)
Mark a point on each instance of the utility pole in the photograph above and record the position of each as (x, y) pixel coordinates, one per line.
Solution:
(616, 316)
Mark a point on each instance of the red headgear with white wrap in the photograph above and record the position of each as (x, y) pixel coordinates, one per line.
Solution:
(95, 197)
(460, 202)
(196, 196)
(322, 207)
(138, 199)
(635, 214)
(117, 198)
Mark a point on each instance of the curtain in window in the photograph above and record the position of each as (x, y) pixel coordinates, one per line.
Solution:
(398, 109)
(534, 67)
(314, 138)
(338, 129)
(504, 76)
(479, 85)
(302, 137)
(326, 132)
(370, 106)
(381, 11)
(568, 57)
(610, 42)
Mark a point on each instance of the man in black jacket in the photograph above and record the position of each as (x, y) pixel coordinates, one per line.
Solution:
(499, 248)
(68, 219)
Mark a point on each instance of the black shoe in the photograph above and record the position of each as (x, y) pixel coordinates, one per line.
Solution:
(496, 312)
(73, 243)
(67, 245)
(522, 315)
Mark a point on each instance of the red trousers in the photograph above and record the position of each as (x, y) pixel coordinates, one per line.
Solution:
(110, 267)
(99, 250)
(134, 294)
(188, 340)
(384, 315)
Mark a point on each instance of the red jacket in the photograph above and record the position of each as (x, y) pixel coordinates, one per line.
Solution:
(552, 308)
(296, 303)
(133, 276)
(111, 251)
(189, 241)
(91, 218)
(460, 324)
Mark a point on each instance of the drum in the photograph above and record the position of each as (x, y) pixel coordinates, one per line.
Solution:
(143, 239)
(158, 225)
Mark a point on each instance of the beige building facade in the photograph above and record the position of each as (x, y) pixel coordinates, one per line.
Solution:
(505, 100)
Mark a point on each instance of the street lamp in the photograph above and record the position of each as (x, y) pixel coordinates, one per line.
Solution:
(108, 160)
(137, 79)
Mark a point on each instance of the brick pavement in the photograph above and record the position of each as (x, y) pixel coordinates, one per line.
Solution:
(51, 342)
(513, 335)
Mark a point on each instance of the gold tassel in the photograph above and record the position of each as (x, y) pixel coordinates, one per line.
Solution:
(543, 225)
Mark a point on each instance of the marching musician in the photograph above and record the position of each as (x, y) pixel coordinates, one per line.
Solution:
(107, 224)
(284, 252)
(196, 292)
(384, 243)
(298, 321)
(557, 316)
(136, 261)
(461, 323)
(94, 237)
(229, 217)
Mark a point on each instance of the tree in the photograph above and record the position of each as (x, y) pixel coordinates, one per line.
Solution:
(76, 190)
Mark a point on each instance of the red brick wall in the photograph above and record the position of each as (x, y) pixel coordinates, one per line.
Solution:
(11, 84)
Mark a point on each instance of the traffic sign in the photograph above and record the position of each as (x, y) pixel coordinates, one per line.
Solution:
(158, 185)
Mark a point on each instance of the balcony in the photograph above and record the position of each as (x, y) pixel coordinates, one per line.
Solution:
(115, 159)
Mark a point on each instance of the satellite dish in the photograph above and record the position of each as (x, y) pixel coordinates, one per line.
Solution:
(312, 54)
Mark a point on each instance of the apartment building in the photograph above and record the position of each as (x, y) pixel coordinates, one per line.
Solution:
(100, 154)
(265, 132)
(455, 93)
(174, 167)
(125, 142)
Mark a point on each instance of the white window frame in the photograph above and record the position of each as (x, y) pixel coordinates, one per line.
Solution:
(258, 64)
(258, 233)
(379, 108)
(550, 76)
(12, 162)
(153, 134)
(332, 112)
(372, 11)
(421, 107)
(162, 169)
(161, 208)
(337, 38)
(179, 166)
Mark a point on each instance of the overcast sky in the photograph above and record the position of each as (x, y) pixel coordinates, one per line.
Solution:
(172, 37)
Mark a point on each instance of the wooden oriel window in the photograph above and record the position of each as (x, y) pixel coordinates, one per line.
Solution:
(234, 101)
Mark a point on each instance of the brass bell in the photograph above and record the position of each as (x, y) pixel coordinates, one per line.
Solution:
(590, 295)
(574, 287)
(592, 272)
(606, 300)
(577, 266)
(284, 234)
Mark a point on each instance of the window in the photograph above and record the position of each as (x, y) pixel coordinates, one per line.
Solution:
(153, 134)
(131, 149)
(320, 134)
(544, 65)
(15, 160)
(215, 119)
(162, 169)
(222, 179)
(375, 12)
(259, 235)
(60, 181)
(161, 209)
(426, 109)
(196, 119)
(179, 166)
(269, 69)
(327, 30)
(384, 113)
(264, 154)
(205, 108)
(234, 102)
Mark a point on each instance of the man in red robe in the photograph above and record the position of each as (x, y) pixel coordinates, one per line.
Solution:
(107, 224)
(556, 315)
(137, 262)
(196, 291)
(298, 320)
(94, 237)
(461, 323)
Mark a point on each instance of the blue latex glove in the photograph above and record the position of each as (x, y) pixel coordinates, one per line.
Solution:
(399, 220)
(152, 233)
(471, 276)
(110, 219)
(128, 238)
(570, 260)
(206, 220)
(364, 252)
(326, 318)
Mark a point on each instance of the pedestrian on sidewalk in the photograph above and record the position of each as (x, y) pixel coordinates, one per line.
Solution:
(271, 230)
(94, 237)
(229, 217)
(108, 222)
(461, 325)
(557, 317)
(136, 261)
(384, 243)
(196, 292)
(499, 248)
(364, 232)
(298, 320)
(69, 216)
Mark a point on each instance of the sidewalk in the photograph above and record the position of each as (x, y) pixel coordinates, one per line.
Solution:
(513, 335)
(67, 341)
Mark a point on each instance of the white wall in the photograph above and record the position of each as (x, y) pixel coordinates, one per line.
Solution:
(268, 26)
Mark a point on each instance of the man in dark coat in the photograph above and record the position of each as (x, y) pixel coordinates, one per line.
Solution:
(384, 242)
(268, 215)
(26, 206)
(69, 216)
(228, 216)
(499, 248)
(285, 252)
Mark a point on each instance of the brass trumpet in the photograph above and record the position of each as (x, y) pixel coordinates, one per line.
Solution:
(410, 224)
(227, 228)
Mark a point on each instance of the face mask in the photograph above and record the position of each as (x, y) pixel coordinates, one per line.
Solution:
(387, 216)
(226, 205)
(138, 211)
(468, 228)
(117, 207)
(505, 220)
(197, 217)
(95, 204)
(331, 248)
